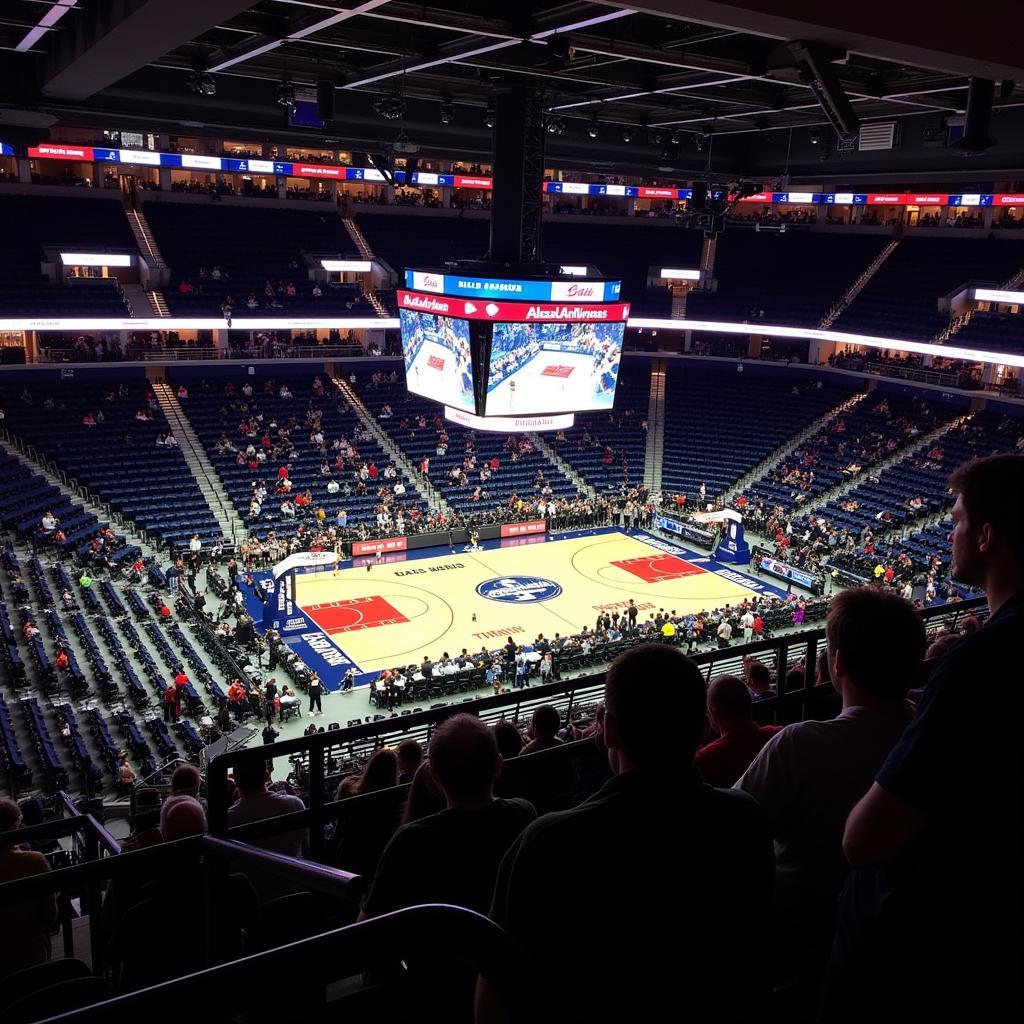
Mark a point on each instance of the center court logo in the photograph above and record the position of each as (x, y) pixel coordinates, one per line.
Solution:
(519, 589)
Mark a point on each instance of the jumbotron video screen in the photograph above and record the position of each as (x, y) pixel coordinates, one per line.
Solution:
(553, 367)
(438, 363)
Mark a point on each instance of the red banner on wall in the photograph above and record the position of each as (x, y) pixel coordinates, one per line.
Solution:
(518, 529)
(52, 151)
(371, 547)
(464, 181)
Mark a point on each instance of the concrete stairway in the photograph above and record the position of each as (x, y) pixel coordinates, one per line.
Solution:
(857, 287)
(427, 491)
(924, 440)
(654, 456)
(784, 451)
(144, 238)
(197, 461)
(551, 454)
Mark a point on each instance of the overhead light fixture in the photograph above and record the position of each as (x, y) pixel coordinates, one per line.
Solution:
(560, 52)
(50, 17)
(447, 110)
(627, 134)
(594, 128)
(490, 118)
(202, 83)
(816, 67)
(390, 106)
(815, 136)
(286, 94)
(698, 141)
(675, 138)
(556, 126)
(655, 138)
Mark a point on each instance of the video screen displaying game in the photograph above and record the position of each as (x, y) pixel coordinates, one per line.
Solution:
(553, 367)
(438, 363)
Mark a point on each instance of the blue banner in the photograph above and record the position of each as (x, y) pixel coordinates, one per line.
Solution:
(784, 571)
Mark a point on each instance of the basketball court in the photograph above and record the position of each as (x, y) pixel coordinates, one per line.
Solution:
(408, 606)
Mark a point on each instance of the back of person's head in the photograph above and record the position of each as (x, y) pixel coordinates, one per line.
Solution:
(186, 780)
(424, 797)
(992, 493)
(876, 640)
(180, 817)
(729, 700)
(250, 776)
(381, 771)
(464, 757)
(759, 677)
(938, 647)
(645, 688)
(410, 754)
(10, 817)
(508, 738)
(32, 812)
(546, 722)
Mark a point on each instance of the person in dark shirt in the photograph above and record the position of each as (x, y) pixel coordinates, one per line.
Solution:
(452, 856)
(740, 739)
(929, 922)
(678, 876)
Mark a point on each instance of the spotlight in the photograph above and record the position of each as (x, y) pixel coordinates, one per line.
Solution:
(627, 134)
(202, 83)
(560, 53)
(594, 128)
(286, 94)
(674, 138)
(655, 138)
(556, 126)
(447, 110)
(698, 141)
(815, 136)
(489, 116)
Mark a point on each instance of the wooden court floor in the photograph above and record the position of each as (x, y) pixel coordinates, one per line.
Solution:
(397, 612)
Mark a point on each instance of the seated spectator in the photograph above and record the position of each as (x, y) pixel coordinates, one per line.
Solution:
(810, 774)
(544, 726)
(186, 780)
(690, 907)
(24, 925)
(381, 772)
(759, 679)
(256, 803)
(722, 761)
(929, 923)
(410, 755)
(417, 865)
(425, 795)
(508, 738)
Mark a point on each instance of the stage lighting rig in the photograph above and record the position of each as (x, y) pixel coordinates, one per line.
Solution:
(627, 134)
(390, 106)
(202, 83)
(447, 110)
(556, 126)
(594, 128)
(286, 94)
(490, 118)
(814, 63)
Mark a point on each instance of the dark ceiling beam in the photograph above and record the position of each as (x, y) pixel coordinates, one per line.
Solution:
(913, 34)
(114, 38)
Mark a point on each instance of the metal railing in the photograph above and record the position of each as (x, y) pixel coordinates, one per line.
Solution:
(338, 745)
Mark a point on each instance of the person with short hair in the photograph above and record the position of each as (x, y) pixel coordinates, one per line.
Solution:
(698, 860)
(417, 865)
(410, 755)
(929, 920)
(544, 725)
(740, 739)
(25, 924)
(810, 774)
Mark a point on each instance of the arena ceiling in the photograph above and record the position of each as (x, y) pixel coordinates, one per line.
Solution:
(722, 70)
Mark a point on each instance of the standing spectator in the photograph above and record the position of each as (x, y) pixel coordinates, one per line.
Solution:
(269, 698)
(315, 690)
(929, 926)
(808, 776)
(24, 925)
(710, 895)
(722, 761)
(171, 703)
